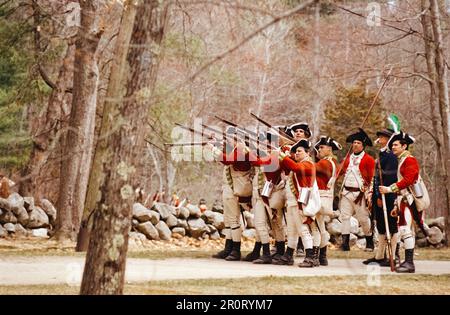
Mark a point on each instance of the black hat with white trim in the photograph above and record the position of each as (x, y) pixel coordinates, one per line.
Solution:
(324, 140)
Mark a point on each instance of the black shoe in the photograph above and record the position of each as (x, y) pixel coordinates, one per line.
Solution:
(309, 259)
(264, 259)
(397, 253)
(226, 251)
(280, 246)
(275, 258)
(323, 256)
(286, 259)
(316, 261)
(408, 265)
(345, 242)
(385, 263)
(380, 262)
(235, 254)
(255, 254)
(369, 244)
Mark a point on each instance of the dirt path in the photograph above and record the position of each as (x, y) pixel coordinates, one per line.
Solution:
(68, 270)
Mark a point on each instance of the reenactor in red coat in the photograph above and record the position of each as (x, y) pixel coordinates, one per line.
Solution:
(299, 130)
(237, 188)
(358, 170)
(302, 177)
(408, 175)
(269, 200)
(326, 172)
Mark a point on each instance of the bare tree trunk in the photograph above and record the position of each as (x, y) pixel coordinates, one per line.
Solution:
(110, 108)
(444, 103)
(434, 100)
(104, 270)
(317, 114)
(46, 128)
(76, 151)
(47, 139)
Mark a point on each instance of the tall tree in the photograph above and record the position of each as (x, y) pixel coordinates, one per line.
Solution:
(108, 123)
(443, 99)
(77, 150)
(104, 271)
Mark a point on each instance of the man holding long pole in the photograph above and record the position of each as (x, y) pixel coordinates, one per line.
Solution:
(387, 165)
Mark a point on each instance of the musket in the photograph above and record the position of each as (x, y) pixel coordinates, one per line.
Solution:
(193, 130)
(254, 134)
(218, 131)
(386, 224)
(151, 143)
(185, 144)
(364, 121)
(243, 133)
(282, 134)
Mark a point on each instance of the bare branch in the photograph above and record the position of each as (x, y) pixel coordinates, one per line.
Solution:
(389, 41)
(413, 74)
(228, 4)
(411, 30)
(249, 37)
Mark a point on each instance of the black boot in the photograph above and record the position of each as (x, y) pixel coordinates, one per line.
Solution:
(287, 258)
(369, 244)
(408, 265)
(309, 259)
(383, 262)
(323, 256)
(255, 253)
(316, 261)
(300, 248)
(345, 242)
(280, 250)
(397, 253)
(235, 253)
(266, 258)
(226, 251)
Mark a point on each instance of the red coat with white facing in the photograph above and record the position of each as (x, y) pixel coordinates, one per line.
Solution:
(366, 168)
(240, 159)
(409, 170)
(271, 167)
(324, 171)
(305, 171)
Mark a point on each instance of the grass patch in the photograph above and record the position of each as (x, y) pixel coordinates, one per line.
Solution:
(165, 250)
(389, 284)
(420, 254)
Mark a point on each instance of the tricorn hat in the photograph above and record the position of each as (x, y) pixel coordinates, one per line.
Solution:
(301, 143)
(272, 136)
(301, 125)
(401, 136)
(361, 135)
(387, 132)
(324, 140)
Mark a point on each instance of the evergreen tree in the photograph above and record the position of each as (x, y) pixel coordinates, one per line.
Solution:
(346, 112)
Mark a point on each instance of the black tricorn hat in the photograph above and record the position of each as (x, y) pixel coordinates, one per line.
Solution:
(301, 143)
(401, 136)
(361, 135)
(301, 125)
(272, 136)
(388, 132)
(324, 140)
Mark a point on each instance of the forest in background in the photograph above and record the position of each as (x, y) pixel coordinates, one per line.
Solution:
(322, 66)
(91, 90)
